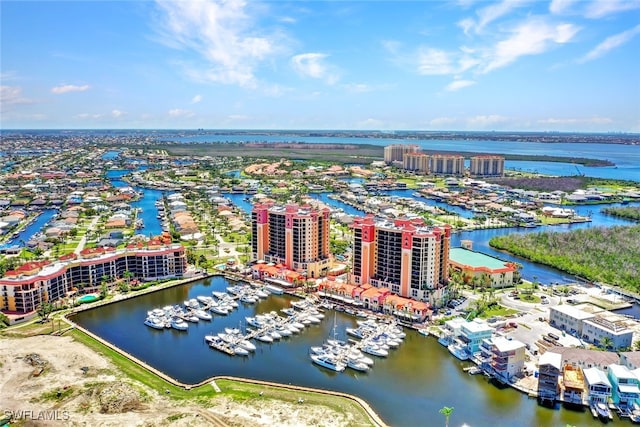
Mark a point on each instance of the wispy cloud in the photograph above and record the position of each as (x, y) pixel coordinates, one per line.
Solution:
(610, 43)
(315, 66)
(488, 14)
(533, 36)
(482, 121)
(222, 33)
(559, 7)
(459, 84)
(600, 8)
(439, 62)
(179, 112)
(58, 90)
(196, 99)
(117, 114)
(439, 122)
(11, 96)
(576, 121)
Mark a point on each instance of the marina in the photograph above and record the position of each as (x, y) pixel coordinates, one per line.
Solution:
(420, 375)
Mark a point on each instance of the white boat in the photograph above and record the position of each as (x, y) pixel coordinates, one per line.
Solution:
(261, 294)
(246, 344)
(248, 299)
(191, 318)
(254, 321)
(284, 331)
(458, 351)
(356, 332)
(154, 322)
(265, 338)
(218, 309)
(201, 314)
(328, 361)
(357, 365)
(274, 334)
(289, 311)
(274, 289)
(213, 339)
(232, 331)
(239, 351)
(374, 350)
(204, 299)
(179, 324)
(292, 328)
(219, 294)
(192, 303)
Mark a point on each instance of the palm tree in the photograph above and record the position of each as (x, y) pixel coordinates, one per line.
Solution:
(446, 411)
(606, 342)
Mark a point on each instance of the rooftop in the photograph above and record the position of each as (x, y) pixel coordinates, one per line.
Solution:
(475, 259)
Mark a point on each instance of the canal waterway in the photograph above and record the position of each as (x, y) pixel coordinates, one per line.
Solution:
(146, 203)
(407, 388)
(34, 227)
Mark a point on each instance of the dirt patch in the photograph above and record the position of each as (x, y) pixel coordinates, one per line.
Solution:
(81, 388)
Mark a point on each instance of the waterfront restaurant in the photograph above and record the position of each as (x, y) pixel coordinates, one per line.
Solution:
(473, 266)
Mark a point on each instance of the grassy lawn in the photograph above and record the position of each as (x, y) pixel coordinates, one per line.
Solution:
(497, 310)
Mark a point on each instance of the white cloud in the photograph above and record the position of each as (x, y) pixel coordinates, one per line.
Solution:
(117, 113)
(85, 116)
(459, 84)
(558, 7)
(532, 37)
(576, 120)
(488, 14)
(487, 120)
(600, 8)
(370, 123)
(179, 112)
(12, 95)
(442, 121)
(439, 62)
(58, 90)
(222, 33)
(611, 43)
(196, 99)
(314, 65)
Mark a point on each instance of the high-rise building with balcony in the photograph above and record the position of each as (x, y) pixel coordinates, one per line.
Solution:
(486, 165)
(447, 164)
(406, 256)
(396, 152)
(416, 162)
(292, 235)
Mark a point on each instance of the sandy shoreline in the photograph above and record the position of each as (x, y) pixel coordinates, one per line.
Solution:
(79, 387)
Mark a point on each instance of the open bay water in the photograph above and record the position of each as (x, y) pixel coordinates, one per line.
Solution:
(406, 389)
(625, 157)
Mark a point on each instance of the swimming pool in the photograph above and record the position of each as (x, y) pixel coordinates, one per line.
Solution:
(87, 298)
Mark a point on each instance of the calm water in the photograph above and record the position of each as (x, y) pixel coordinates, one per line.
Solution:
(32, 228)
(407, 388)
(625, 157)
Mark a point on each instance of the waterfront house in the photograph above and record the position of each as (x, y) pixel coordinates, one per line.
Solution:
(624, 386)
(473, 333)
(503, 357)
(572, 385)
(549, 370)
(597, 386)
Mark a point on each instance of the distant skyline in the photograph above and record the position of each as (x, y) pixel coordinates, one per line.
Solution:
(517, 65)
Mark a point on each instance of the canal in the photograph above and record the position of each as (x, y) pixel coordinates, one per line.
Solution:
(407, 388)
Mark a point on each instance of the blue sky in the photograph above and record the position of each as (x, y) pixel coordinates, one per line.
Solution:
(565, 65)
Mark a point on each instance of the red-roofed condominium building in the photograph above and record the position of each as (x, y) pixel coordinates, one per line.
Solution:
(292, 235)
(403, 255)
